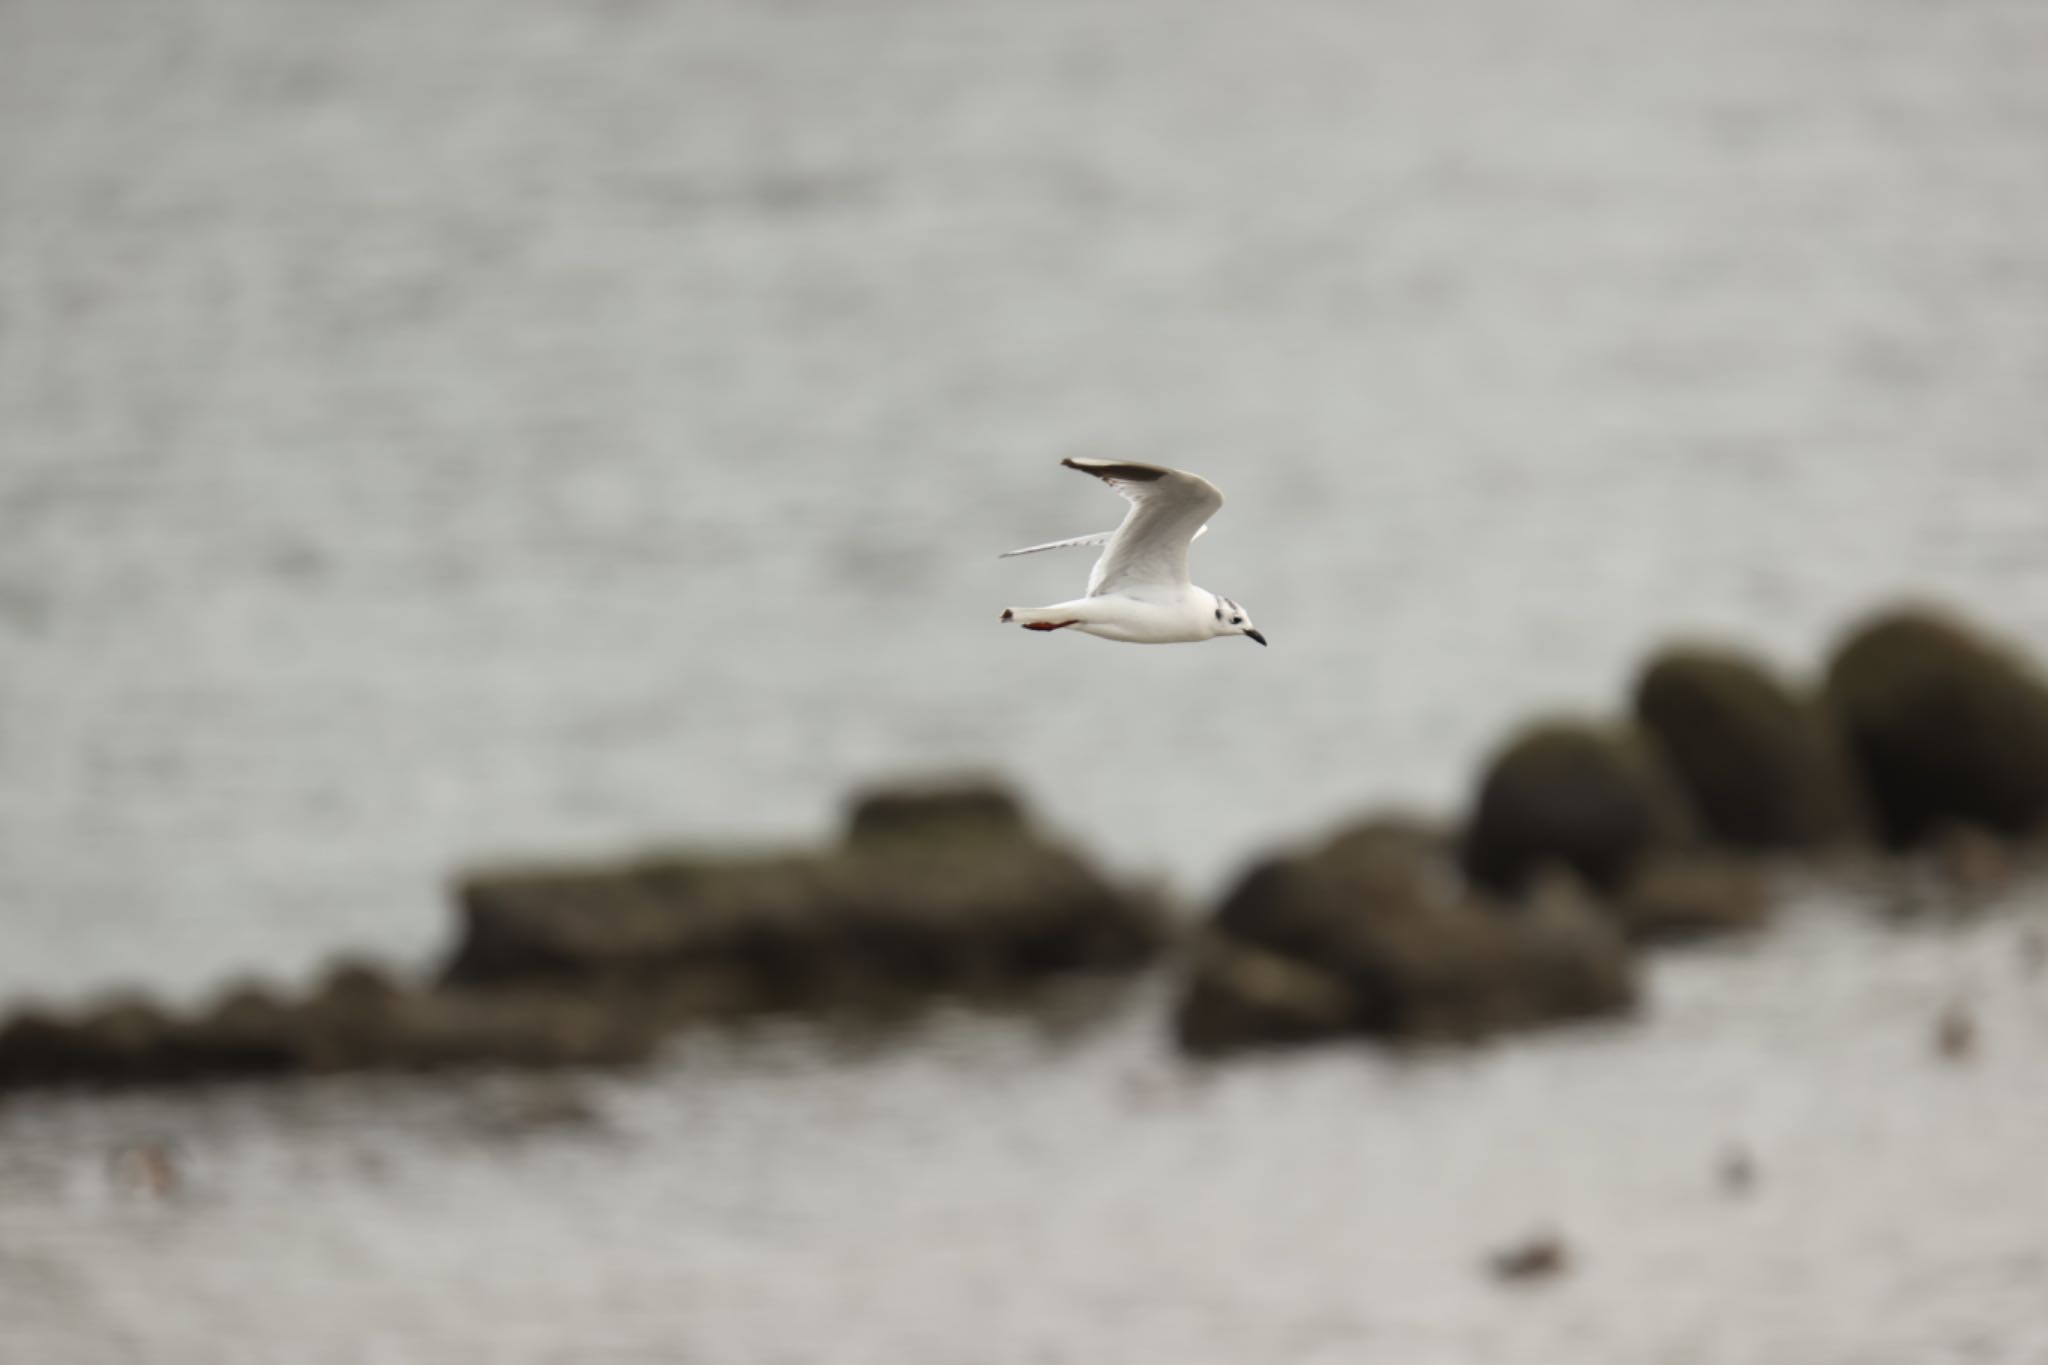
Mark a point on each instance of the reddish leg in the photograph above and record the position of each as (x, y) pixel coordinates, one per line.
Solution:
(1047, 625)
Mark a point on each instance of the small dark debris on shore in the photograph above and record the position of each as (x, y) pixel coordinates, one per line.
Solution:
(1542, 1257)
(146, 1168)
(1955, 1034)
(1737, 1171)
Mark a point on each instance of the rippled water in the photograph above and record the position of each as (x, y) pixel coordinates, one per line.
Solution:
(992, 1194)
(435, 431)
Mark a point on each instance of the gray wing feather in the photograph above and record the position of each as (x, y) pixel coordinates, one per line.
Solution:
(1149, 550)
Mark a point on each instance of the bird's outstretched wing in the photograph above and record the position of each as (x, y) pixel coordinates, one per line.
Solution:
(1168, 510)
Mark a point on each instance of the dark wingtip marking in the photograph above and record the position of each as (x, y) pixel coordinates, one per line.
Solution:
(1007, 614)
(1133, 473)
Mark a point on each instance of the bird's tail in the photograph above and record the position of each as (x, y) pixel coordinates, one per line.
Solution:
(1099, 538)
(1044, 618)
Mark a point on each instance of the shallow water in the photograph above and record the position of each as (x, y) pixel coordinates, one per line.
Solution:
(987, 1192)
(442, 431)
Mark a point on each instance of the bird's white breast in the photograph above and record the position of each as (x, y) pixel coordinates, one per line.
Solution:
(1151, 619)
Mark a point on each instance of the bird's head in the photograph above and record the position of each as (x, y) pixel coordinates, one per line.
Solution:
(1231, 619)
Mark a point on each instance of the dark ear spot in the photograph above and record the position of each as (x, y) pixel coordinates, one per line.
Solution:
(1219, 613)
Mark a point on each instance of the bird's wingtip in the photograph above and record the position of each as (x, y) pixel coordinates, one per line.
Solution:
(1126, 470)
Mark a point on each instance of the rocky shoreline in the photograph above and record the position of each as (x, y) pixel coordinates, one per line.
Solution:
(1920, 759)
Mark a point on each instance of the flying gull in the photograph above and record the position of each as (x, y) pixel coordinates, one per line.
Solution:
(1139, 591)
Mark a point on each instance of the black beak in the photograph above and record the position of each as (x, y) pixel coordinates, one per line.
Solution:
(1256, 636)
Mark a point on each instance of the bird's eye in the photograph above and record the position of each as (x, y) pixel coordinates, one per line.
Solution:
(1237, 620)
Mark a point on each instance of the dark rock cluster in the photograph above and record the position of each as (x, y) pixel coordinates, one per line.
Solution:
(1593, 799)
(1944, 727)
(947, 889)
(933, 891)
(358, 1018)
(1762, 764)
(1587, 840)
(1375, 933)
(1589, 837)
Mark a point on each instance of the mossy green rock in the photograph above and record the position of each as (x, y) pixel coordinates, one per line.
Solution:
(1239, 997)
(1374, 933)
(1677, 897)
(936, 812)
(1592, 799)
(933, 889)
(344, 1025)
(1943, 725)
(1762, 766)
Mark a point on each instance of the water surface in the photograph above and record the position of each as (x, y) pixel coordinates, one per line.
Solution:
(432, 432)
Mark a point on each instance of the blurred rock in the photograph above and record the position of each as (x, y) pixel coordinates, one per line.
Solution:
(1679, 896)
(942, 811)
(120, 1042)
(432, 1029)
(929, 893)
(1763, 768)
(345, 1026)
(1239, 997)
(1591, 798)
(938, 890)
(1374, 933)
(249, 1032)
(1943, 725)
(356, 984)
(1414, 846)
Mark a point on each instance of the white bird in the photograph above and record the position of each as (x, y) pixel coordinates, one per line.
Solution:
(1139, 591)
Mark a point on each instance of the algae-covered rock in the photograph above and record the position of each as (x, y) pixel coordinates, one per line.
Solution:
(1238, 996)
(939, 811)
(1681, 896)
(432, 1029)
(930, 890)
(1381, 912)
(920, 912)
(120, 1041)
(249, 1031)
(1763, 767)
(935, 890)
(1943, 724)
(1591, 798)
(351, 1023)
